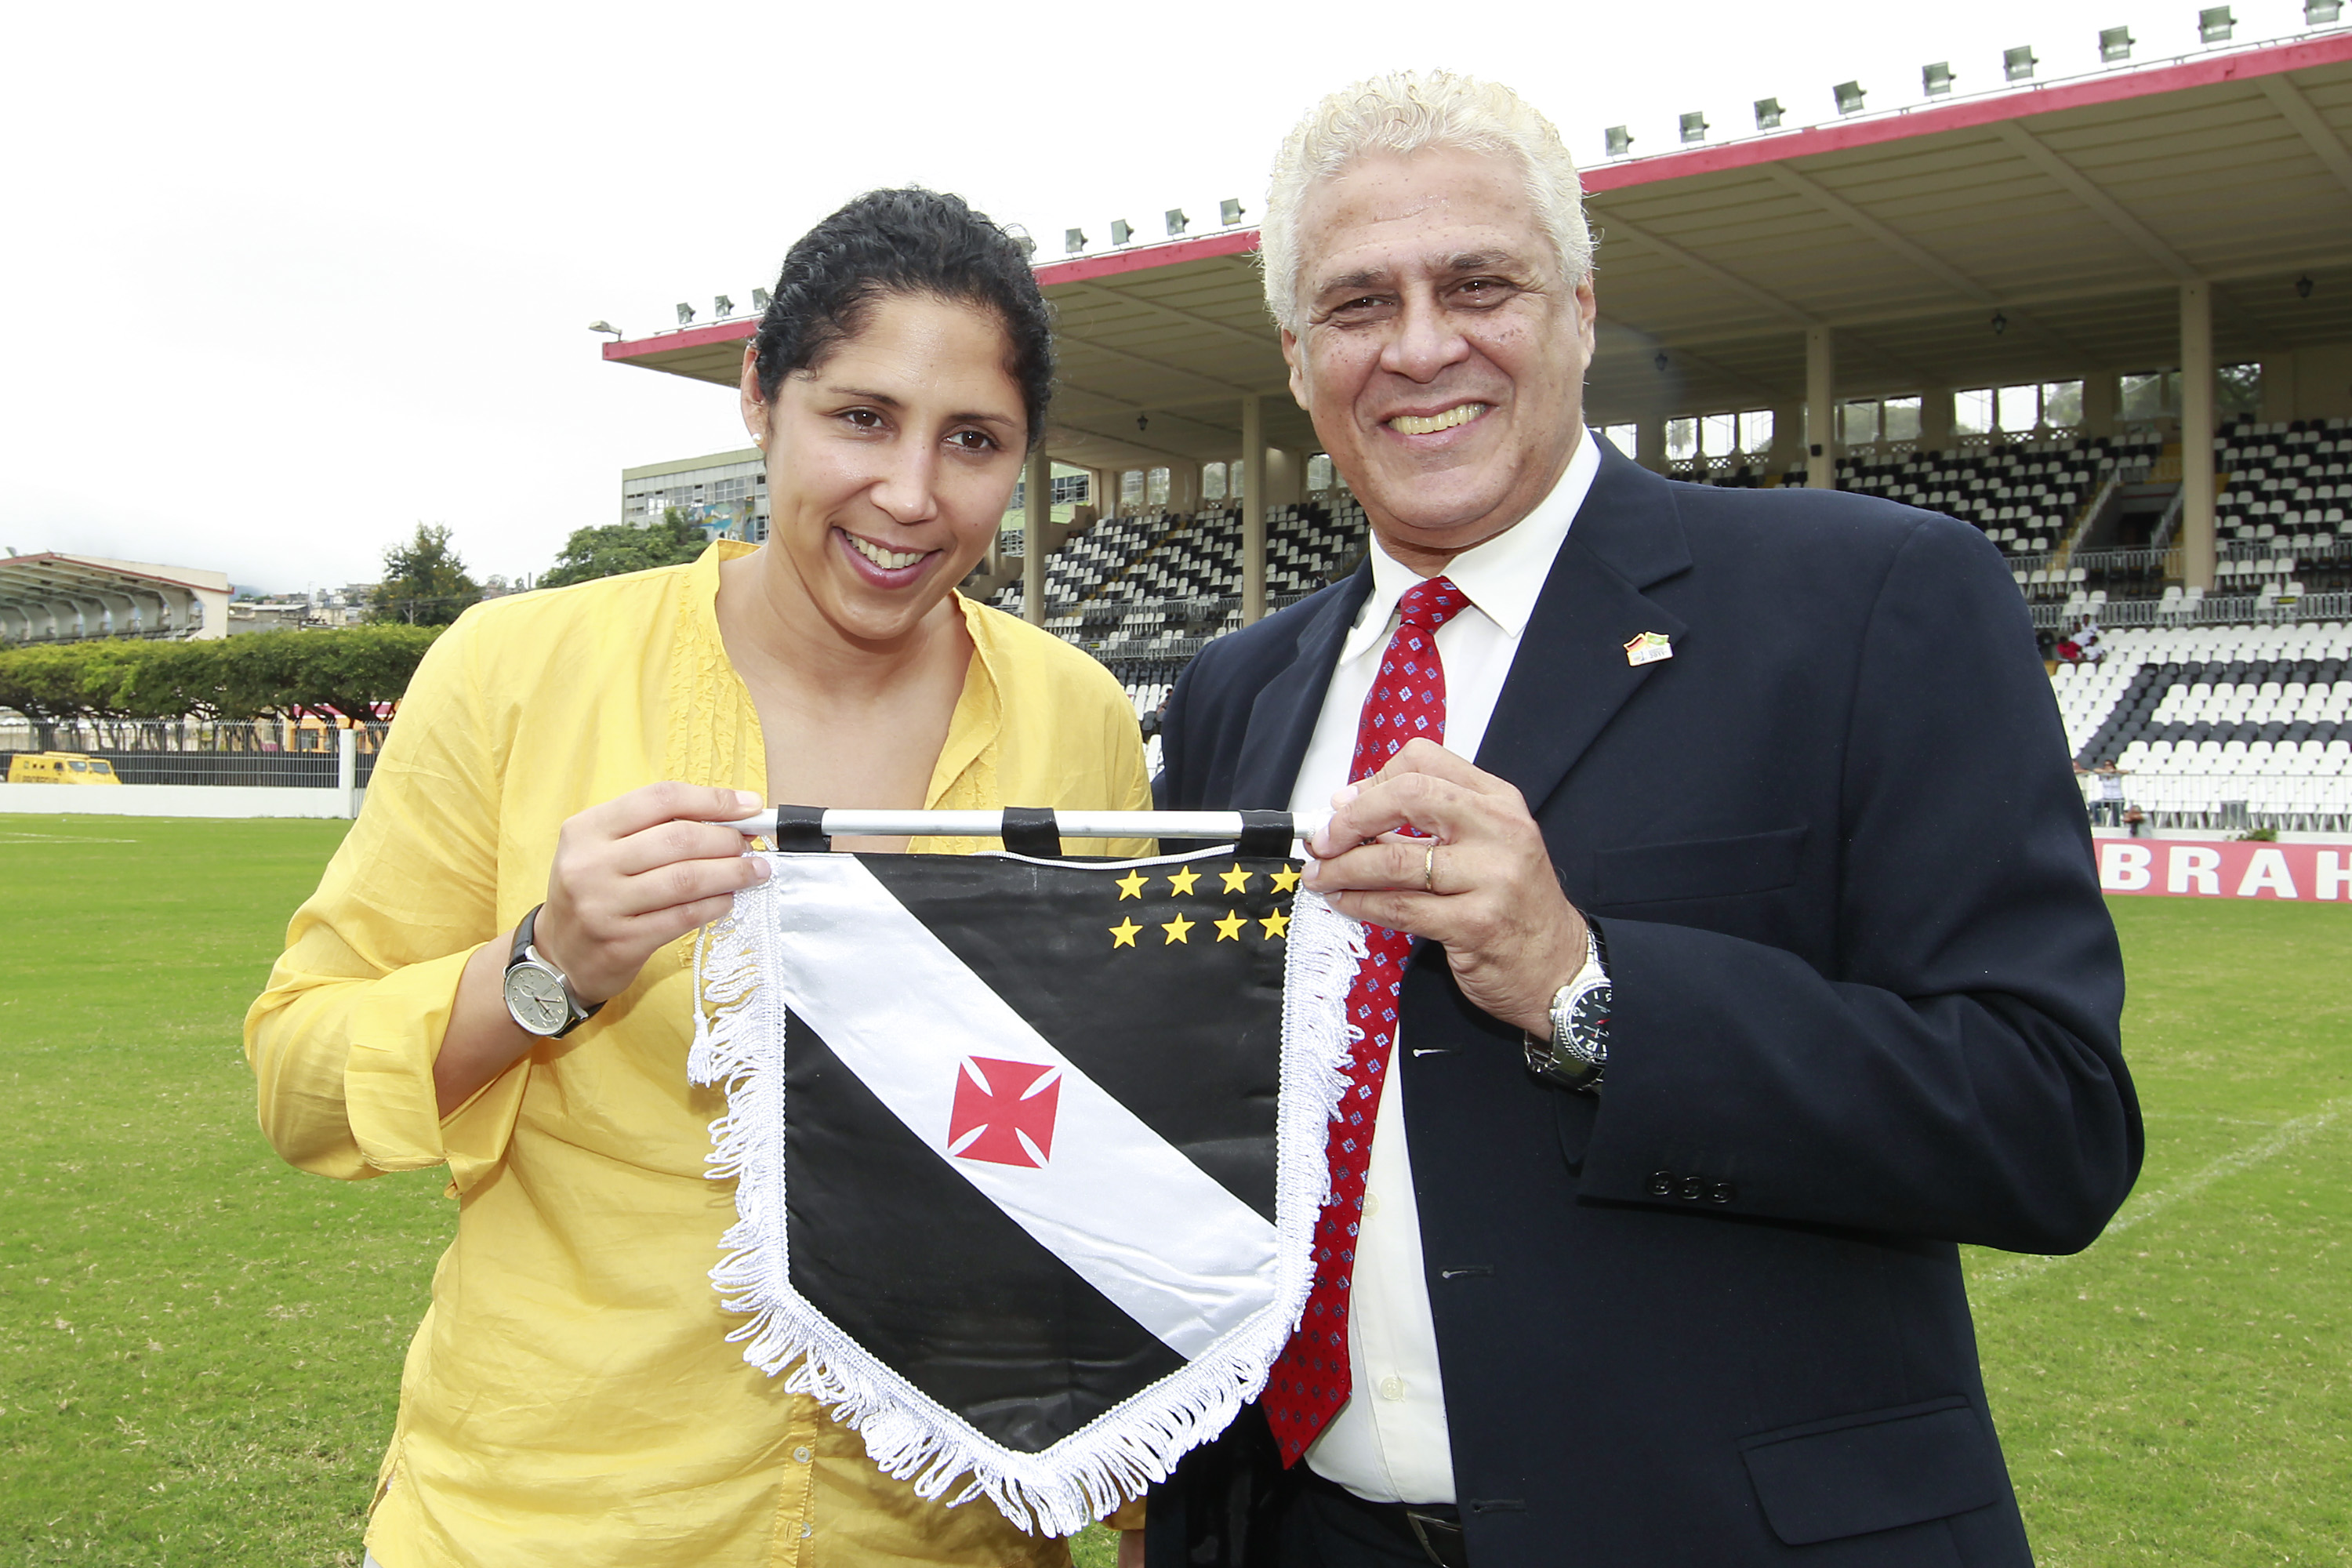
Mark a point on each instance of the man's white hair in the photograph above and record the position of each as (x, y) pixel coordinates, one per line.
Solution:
(1403, 112)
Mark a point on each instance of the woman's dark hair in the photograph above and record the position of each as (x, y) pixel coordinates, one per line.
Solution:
(909, 241)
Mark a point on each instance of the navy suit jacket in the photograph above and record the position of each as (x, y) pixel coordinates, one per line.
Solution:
(1867, 999)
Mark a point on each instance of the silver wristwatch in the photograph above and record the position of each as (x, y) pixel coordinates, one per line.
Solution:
(1577, 1053)
(538, 995)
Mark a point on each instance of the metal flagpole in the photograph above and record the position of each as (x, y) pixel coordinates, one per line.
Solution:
(1211, 824)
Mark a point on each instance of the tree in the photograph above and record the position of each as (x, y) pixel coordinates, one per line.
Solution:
(425, 583)
(348, 669)
(609, 551)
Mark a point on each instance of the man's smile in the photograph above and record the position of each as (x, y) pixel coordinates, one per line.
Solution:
(1430, 424)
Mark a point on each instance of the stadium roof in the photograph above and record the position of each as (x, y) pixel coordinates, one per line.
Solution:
(2029, 234)
(54, 597)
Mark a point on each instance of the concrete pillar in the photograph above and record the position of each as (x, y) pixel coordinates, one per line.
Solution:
(1183, 487)
(1650, 442)
(347, 769)
(1285, 476)
(1034, 517)
(1936, 419)
(1821, 410)
(1788, 435)
(2197, 434)
(2099, 388)
(1252, 508)
(2278, 387)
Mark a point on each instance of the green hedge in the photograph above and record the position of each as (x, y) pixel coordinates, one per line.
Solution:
(348, 669)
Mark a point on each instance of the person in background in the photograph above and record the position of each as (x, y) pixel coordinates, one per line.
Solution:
(1679, 1087)
(2107, 796)
(494, 976)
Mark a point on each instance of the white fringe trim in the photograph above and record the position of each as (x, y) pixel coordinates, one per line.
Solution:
(740, 1044)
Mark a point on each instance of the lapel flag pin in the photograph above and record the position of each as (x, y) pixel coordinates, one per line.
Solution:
(1648, 649)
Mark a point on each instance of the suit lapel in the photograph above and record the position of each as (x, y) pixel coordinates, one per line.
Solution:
(1282, 719)
(1570, 675)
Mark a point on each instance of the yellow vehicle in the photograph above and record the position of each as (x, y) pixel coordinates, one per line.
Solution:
(61, 767)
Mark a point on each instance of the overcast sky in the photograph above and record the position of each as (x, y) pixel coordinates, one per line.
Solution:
(280, 283)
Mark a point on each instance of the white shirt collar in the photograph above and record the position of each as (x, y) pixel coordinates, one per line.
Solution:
(1502, 577)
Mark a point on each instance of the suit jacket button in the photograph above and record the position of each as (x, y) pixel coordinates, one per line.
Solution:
(1692, 1187)
(1722, 1193)
(1662, 1184)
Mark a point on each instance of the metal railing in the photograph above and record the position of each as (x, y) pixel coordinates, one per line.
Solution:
(2283, 801)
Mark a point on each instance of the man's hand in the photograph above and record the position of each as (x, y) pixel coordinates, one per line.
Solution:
(1482, 883)
(639, 871)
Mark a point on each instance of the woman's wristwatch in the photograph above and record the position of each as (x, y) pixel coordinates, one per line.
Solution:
(1576, 1054)
(539, 996)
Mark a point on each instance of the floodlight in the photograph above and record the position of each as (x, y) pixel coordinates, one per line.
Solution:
(1619, 141)
(723, 307)
(1177, 222)
(1695, 126)
(1229, 212)
(1768, 114)
(2215, 25)
(1121, 231)
(604, 327)
(2018, 64)
(684, 314)
(1849, 97)
(1073, 240)
(1936, 80)
(2114, 43)
(2317, 12)
(760, 298)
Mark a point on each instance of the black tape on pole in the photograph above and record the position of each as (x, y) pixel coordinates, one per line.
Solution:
(1031, 830)
(800, 830)
(1266, 833)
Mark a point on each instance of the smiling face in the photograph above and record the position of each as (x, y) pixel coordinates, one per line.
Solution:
(1441, 355)
(890, 462)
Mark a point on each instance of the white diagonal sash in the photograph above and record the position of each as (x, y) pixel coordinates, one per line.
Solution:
(1169, 1245)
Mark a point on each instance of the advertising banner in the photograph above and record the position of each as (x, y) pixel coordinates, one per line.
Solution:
(2225, 868)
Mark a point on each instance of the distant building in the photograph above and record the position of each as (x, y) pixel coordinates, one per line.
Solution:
(726, 492)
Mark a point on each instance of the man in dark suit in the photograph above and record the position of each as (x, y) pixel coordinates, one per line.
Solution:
(1756, 962)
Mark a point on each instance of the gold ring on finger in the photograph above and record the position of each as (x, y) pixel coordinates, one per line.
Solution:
(1429, 869)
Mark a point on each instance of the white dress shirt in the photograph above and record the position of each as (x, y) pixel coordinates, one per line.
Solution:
(1389, 1441)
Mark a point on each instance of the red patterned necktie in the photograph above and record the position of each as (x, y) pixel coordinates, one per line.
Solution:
(1310, 1379)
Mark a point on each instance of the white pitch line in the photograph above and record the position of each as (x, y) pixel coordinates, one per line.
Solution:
(2139, 1210)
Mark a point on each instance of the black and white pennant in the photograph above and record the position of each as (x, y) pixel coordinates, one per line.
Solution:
(1028, 1152)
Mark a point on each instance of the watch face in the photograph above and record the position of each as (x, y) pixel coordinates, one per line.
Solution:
(535, 998)
(1588, 1023)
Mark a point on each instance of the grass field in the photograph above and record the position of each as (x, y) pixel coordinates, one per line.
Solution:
(199, 1348)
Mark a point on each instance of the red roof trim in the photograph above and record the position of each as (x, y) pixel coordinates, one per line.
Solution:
(2243, 65)
(683, 338)
(1084, 268)
(87, 564)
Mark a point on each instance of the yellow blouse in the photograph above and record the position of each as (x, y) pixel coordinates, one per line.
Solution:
(571, 1396)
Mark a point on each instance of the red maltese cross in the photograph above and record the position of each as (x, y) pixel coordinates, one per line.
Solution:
(1004, 1111)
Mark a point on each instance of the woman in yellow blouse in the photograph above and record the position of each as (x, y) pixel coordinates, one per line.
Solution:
(571, 1397)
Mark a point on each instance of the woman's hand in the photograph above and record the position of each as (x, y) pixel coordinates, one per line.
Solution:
(629, 875)
(636, 873)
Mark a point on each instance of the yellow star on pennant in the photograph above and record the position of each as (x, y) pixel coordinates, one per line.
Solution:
(1230, 927)
(1131, 885)
(1236, 880)
(1286, 880)
(1181, 884)
(1276, 924)
(1177, 930)
(1123, 933)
